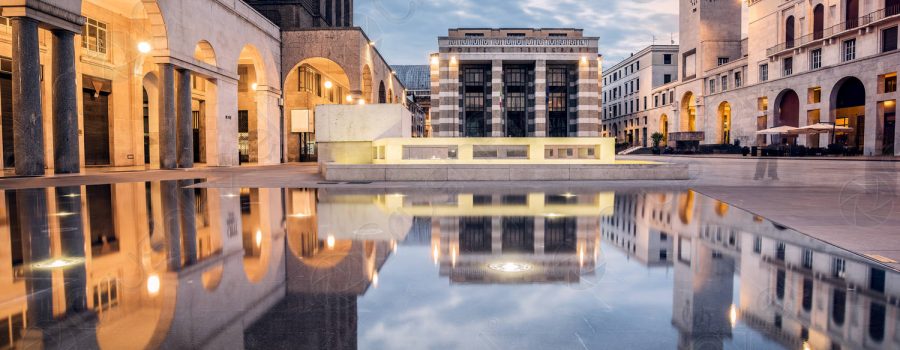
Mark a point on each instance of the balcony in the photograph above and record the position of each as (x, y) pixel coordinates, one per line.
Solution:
(892, 12)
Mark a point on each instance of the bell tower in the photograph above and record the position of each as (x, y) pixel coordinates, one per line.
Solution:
(708, 30)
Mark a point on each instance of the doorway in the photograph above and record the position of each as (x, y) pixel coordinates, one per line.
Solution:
(95, 95)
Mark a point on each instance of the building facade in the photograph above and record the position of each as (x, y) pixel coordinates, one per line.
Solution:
(800, 64)
(515, 83)
(627, 94)
(417, 79)
(301, 14)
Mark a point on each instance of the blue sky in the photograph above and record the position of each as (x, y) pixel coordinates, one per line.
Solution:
(407, 30)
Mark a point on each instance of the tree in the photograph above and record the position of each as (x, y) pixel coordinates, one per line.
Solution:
(657, 138)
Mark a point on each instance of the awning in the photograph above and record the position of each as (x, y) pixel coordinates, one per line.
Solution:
(821, 128)
(778, 130)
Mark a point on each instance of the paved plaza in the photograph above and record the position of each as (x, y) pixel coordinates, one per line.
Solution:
(853, 204)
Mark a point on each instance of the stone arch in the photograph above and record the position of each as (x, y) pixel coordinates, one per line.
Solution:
(787, 109)
(255, 135)
(305, 87)
(150, 117)
(204, 52)
(688, 112)
(848, 108)
(723, 125)
(382, 97)
(664, 128)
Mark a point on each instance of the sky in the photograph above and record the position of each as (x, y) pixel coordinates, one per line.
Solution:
(406, 31)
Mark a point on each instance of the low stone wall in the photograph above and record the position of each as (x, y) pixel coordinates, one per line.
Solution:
(504, 172)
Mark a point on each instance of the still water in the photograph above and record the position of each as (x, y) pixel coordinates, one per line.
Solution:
(170, 265)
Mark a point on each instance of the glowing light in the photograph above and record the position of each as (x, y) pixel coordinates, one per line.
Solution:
(436, 254)
(553, 215)
(362, 102)
(568, 195)
(328, 84)
(453, 60)
(435, 60)
(732, 315)
(806, 346)
(510, 267)
(349, 98)
(230, 195)
(63, 214)
(584, 60)
(375, 279)
(300, 216)
(72, 195)
(254, 86)
(330, 242)
(371, 43)
(258, 238)
(144, 47)
(153, 284)
(58, 263)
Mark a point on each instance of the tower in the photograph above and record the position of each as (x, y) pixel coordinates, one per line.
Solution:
(709, 30)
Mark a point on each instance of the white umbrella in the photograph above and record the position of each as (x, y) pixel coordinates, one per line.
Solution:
(778, 130)
(821, 128)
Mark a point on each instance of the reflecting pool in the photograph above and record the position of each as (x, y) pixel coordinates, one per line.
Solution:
(173, 264)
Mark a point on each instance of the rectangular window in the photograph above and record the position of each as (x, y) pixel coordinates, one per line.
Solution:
(764, 72)
(724, 82)
(890, 83)
(737, 79)
(889, 39)
(515, 35)
(656, 101)
(849, 50)
(474, 35)
(815, 59)
(558, 35)
(807, 259)
(838, 268)
(712, 86)
(788, 65)
(722, 60)
(815, 95)
(780, 250)
(757, 244)
(93, 37)
(667, 58)
(667, 78)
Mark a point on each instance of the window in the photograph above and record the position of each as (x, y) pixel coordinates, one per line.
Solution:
(722, 60)
(849, 50)
(667, 78)
(890, 83)
(667, 58)
(838, 268)
(780, 250)
(474, 35)
(656, 101)
(815, 59)
(712, 86)
(515, 35)
(737, 79)
(94, 36)
(815, 95)
(757, 244)
(243, 78)
(788, 65)
(558, 35)
(807, 258)
(724, 82)
(763, 72)
(889, 39)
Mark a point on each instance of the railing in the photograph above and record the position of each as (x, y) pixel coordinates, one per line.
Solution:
(835, 30)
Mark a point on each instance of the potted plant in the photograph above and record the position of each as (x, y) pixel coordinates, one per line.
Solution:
(657, 139)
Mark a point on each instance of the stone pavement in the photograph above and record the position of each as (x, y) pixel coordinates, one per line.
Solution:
(853, 204)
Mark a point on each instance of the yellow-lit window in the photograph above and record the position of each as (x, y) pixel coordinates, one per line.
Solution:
(93, 38)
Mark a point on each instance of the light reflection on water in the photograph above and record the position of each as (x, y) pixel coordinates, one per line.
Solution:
(162, 264)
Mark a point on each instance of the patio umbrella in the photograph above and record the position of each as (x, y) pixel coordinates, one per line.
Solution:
(821, 128)
(778, 130)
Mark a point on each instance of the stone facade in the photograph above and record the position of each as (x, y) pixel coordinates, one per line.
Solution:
(627, 90)
(515, 82)
(801, 63)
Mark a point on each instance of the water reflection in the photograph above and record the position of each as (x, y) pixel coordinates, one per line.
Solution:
(169, 264)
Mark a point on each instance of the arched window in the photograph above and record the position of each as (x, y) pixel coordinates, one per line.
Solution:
(818, 21)
(789, 32)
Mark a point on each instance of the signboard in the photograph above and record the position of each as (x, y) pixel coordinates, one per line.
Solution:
(300, 120)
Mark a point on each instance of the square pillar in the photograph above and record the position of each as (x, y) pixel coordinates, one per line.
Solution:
(184, 121)
(540, 98)
(66, 158)
(28, 125)
(589, 98)
(497, 118)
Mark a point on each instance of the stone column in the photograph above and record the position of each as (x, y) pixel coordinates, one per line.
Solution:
(31, 205)
(71, 232)
(66, 158)
(184, 125)
(540, 98)
(188, 217)
(28, 125)
(588, 98)
(167, 142)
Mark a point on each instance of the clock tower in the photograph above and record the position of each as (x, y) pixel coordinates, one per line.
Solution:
(709, 30)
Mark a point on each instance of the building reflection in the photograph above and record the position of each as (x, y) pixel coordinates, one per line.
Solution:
(172, 264)
(797, 291)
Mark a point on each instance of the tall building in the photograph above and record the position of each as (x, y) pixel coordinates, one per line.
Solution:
(300, 14)
(511, 82)
(800, 64)
(627, 90)
(417, 79)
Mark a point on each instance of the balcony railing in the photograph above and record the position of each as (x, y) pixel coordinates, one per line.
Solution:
(834, 30)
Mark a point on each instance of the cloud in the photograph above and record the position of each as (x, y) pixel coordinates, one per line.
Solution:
(407, 30)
